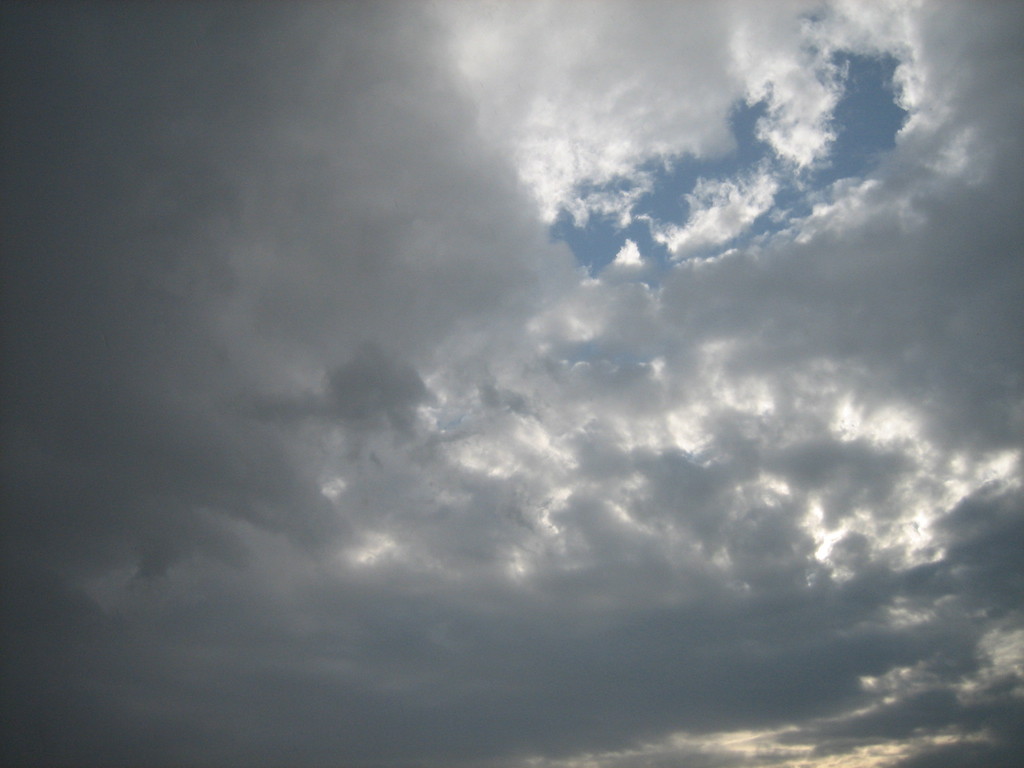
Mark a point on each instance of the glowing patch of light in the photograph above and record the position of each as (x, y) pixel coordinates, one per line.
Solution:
(902, 615)
(900, 682)
(1001, 652)
(334, 488)
(1005, 649)
(658, 369)
(375, 547)
(775, 485)
(486, 458)
(578, 318)
(881, 427)
(769, 490)
(751, 394)
(619, 508)
(824, 539)
(556, 502)
(779, 748)
(532, 435)
(686, 430)
(518, 566)
(1003, 467)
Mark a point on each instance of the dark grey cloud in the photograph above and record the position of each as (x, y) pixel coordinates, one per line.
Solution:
(317, 450)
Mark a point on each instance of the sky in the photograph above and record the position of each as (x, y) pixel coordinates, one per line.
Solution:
(567, 384)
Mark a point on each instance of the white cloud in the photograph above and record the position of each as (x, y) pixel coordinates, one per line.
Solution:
(590, 106)
(719, 211)
(628, 256)
(797, 82)
(585, 110)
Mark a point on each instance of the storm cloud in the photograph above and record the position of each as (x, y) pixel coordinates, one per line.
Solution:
(555, 384)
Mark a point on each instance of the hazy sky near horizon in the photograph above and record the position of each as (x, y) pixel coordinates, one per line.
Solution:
(513, 385)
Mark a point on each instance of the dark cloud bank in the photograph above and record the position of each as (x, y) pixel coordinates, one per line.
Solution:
(318, 451)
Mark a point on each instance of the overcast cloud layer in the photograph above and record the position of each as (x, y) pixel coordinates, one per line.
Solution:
(320, 448)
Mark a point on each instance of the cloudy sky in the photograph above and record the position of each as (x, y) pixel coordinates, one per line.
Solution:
(513, 385)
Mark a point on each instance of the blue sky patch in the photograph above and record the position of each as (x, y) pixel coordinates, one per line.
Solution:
(597, 242)
(867, 118)
(865, 122)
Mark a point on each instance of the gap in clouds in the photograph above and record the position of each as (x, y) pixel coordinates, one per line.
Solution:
(866, 121)
(596, 243)
(867, 118)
